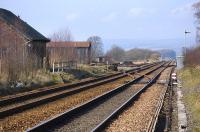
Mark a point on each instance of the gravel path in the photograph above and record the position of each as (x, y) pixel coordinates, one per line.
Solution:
(138, 116)
(92, 118)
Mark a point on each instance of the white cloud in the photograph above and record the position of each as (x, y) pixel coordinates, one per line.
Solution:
(109, 17)
(72, 16)
(182, 9)
(141, 12)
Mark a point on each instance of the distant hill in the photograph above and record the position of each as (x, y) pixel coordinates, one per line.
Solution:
(167, 53)
(127, 44)
(141, 54)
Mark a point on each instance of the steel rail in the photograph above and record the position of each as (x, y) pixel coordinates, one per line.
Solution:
(68, 114)
(154, 120)
(118, 111)
(40, 101)
(56, 88)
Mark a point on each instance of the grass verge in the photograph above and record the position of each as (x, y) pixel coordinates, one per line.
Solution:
(190, 77)
(43, 78)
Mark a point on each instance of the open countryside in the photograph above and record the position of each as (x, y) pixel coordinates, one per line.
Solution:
(103, 65)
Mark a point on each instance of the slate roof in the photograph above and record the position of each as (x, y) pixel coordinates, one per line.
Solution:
(69, 44)
(20, 26)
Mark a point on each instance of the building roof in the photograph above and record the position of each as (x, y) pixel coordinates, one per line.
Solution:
(69, 44)
(20, 26)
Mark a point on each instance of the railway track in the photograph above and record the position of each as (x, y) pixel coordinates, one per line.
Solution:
(154, 119)
(19, 103)
(27, 118)
(56, 88)
(87, 116)
(140, 115)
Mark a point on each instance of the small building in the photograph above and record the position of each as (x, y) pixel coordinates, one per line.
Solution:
(69, 51)
(19, 41)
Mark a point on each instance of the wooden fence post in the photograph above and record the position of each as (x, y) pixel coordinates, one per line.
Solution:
(0, 65)
(1, 58)
(53, 67)
(44, 63)
(107, 65)
(58, 66)
(62, 66)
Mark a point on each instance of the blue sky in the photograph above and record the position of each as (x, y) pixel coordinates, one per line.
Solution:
(109, 19)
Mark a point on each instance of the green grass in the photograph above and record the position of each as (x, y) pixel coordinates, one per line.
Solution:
(191, 87)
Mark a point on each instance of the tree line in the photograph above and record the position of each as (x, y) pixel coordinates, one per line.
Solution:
(119, 54)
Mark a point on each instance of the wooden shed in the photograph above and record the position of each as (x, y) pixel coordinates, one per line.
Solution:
(69, 51)
(20, 41)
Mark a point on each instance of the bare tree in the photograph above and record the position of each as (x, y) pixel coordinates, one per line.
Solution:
(116, 53)
(62, 35)
(191, 57)
(57, 54)
(196, 7)
(97, 46)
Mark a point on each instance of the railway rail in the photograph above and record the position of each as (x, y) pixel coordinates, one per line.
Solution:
(7, 100)
(19, 103)
(88, 115)
(154, 119)
(140, 115)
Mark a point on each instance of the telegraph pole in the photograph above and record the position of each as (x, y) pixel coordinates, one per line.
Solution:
(181, 57)
(184, 48)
